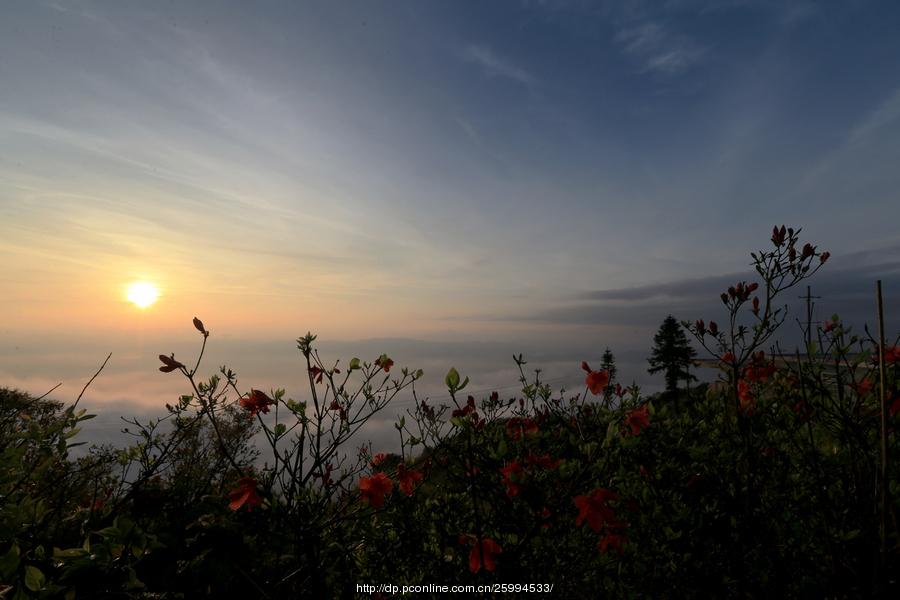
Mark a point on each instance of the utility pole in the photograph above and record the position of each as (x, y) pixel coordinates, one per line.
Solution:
(809, 310)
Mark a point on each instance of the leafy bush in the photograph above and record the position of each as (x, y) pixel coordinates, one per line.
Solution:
(762, 483)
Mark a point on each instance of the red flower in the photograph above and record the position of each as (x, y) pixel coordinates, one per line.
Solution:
(407, 478)
(316, 373)
(863, 387)
(516, 426)
(169, 364)
(713, 328)
(746, 397)
(468, 409)
(891, 354)
(596, 381)
(611, 540)
(544, 461)
(778, 235)
(894, 408)
(595, 509)
(342, 412)
(378, 459)
(759, 370)
(483, 555)
(256, 402)
(244, 494)
(728, 357)
(637, 419)
(384, 362)
(511, 473)
(373, 489)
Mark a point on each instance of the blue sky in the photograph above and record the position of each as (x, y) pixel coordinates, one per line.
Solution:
(449, 172)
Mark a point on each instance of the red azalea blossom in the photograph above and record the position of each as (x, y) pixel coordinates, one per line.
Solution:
(746, 397)
(544, 461)
(802, 409)
(256, 402)
(316, 373)
(468, 409)
(728, 357)
(244, 495)
(611, 540)
(483, 555)
(637, 419)
(378, 459)
(759, 370)
(384, 362)
(516, 426)
(373, 489)
(169, 364)
(894, 408)
(511, 472)
(891, 354)
(325, 474)
(778, 235)
(863, 387)
(407, 478)
(596, 381)
(594, 508)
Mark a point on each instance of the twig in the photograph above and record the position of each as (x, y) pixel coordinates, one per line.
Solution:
(90, 381)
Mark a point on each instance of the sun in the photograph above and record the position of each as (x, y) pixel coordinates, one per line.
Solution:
(142, 294)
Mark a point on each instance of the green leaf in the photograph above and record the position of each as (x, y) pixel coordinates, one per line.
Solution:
(452, 379)
(34, 579)
(280, 428)
(9, 563)
(69, 553)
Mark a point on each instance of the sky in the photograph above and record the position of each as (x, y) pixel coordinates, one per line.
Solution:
(447, 182)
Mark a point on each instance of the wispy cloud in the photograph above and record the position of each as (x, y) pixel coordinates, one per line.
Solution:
(659, 50)
(496, 66)
(886, 113)
(845, 287)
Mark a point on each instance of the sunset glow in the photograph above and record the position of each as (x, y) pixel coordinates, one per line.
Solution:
(142, 294)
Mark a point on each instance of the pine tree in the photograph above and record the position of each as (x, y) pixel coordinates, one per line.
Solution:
(672, 354)
(608, 363)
